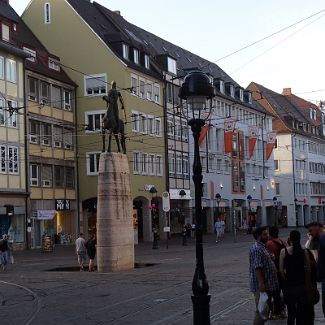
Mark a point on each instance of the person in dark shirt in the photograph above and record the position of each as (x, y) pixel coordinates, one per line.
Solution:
(4, 248)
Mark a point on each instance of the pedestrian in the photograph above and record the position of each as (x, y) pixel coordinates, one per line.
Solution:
(275, 245)
(293, 267)
(4, 249)
(223, 227)
(262, 271)
(317, 242)
(91, 252)
(81, 251)
(218, 229)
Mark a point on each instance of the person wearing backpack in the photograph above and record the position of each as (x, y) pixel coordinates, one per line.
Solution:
(275, 245)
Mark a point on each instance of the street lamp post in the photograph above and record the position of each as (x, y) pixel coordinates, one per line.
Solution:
(218, 199)
(153, 191)
(198, 91)
(275, 204)
(182, 193)
(296, 211)
(250, 224)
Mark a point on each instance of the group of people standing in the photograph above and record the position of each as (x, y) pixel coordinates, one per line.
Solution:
(287, 273)
(84, 248)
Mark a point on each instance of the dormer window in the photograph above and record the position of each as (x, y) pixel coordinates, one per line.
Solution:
(125, 51)
(241, 95)
(232, 90)
(5, 32)
(249, 95)
(313, 114)
(32, 54)
(171, 65)
(146, 61)
(136, 56)
(222, 86)
(54, 64)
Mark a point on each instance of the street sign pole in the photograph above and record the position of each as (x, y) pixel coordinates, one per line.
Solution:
(166, 208)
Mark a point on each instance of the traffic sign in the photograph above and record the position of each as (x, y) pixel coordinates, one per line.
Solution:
(165, 201)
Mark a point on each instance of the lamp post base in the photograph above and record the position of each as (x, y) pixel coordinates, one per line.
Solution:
(201, 310)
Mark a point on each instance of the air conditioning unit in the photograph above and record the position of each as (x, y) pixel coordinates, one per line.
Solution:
(32, 97)
(57, 144)
(67, 106)
(68, 146)
(46, 141)
(34, 182)
(33, 138)
(46, 183)
(43, 101)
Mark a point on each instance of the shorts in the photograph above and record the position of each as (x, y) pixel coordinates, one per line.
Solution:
(218, 232)
(81, 256)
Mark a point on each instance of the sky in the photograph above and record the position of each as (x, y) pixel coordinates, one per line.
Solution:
(213, 29)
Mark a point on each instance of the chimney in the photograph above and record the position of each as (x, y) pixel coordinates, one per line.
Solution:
(286, 92)
(117, 12)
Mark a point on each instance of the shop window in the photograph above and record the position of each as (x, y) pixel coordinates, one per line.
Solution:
(18, 225)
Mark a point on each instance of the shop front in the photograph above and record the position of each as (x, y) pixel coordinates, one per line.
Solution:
(58, 223)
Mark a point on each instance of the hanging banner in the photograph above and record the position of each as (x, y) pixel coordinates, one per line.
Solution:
(203, 133)
(270, 141)
(229, 126)
(252, 138)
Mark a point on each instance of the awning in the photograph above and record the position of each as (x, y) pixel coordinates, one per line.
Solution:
(45, 214)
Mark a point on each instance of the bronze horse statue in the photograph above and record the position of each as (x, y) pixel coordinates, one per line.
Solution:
(111, 121)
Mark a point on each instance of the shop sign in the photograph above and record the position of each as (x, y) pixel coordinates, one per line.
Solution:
(61, 205)
(174, 194)
(45, 214)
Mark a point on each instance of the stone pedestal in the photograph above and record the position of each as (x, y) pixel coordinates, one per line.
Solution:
(115, 235)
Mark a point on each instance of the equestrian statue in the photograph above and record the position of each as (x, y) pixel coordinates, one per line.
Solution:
(111, 121)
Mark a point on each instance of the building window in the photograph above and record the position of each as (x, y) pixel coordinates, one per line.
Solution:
(151, 123)
(171, 164)
(57, 136)
(184, 130)
(125, 51)
(142, 123)
(136, 56)
(179, 170)
(95, 85)
(12, 115)
(5, 32)
(151, 164)
(56, 97)
(44, 93)
(185, 165)
(69, 177)
(149, 91)
(34, 129)
(135, 121)
(276, 164)
(157, 127)
(92, 163)
(134, 85)
(94, 121)
(47, 13)
(277, 188)
(59, 176)
(54, 64)
(146, 61)
(32, 54)
(142, 88)
(3, 154)
(34, 175)
(171, 65)
(67, 100)
(227, 166)
(2, 67)
(144, 163)
(32, 85)
(156, 94)
(12, 160)
(170, 127)
(46, 134)
(11, 70)
(136, 162)
(68, 139)
(47, 176)
(159, 165)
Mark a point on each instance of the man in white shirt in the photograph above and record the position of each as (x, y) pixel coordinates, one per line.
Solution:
(81, 251)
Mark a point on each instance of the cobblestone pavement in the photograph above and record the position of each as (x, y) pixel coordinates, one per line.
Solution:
(157, 295)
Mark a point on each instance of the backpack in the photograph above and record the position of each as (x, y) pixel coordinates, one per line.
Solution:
(279, 246)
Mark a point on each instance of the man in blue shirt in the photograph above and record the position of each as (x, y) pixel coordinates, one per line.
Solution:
(262, 270)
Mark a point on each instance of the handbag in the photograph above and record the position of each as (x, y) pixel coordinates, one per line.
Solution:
(312, 293)
(263, 306)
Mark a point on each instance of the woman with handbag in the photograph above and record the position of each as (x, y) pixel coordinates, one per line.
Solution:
(298, 268)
